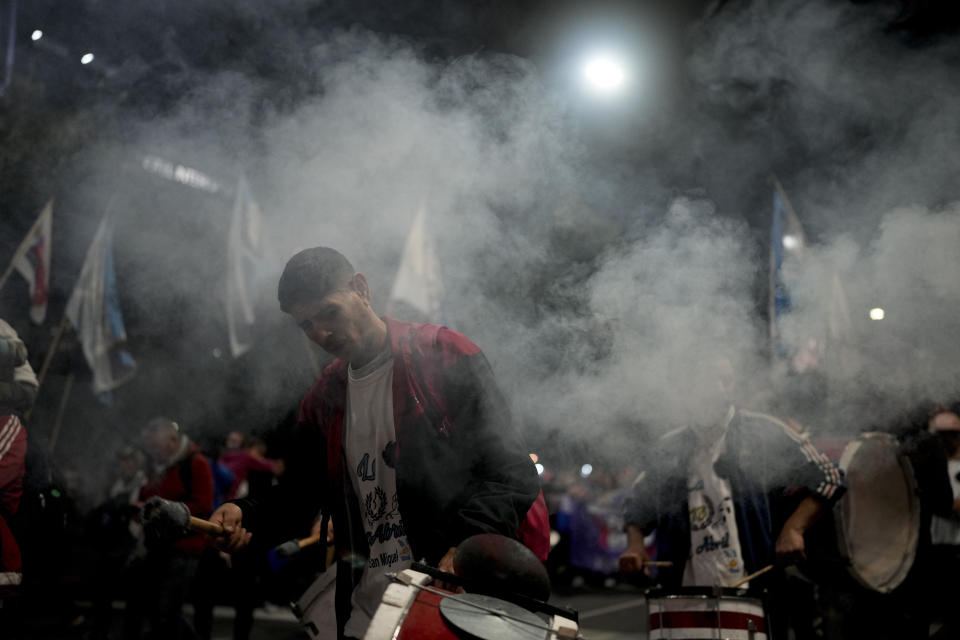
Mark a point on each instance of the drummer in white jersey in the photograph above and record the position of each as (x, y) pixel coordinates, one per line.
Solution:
(714, 492)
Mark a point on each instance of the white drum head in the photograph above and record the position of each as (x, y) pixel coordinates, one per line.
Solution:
(878, 519)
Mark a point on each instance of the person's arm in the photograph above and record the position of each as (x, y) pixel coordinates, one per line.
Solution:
(790, 545)
(790, 459)
(797, 463)
(635, 557)
(18, 384)
(504, 482)
(639, 521)
(259, 463)
(13, 354)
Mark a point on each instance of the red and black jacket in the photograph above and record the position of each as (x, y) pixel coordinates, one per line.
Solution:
(461, 467)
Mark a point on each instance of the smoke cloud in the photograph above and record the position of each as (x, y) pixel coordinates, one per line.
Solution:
(601, 290)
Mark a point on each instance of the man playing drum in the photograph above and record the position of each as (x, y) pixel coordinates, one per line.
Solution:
(405, 442)
(714, 490)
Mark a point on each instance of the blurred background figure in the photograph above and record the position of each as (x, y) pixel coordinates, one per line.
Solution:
(242, 455)
(116, 536)
(158, 584)
(243, 459)
(945, 530)
(18, 389)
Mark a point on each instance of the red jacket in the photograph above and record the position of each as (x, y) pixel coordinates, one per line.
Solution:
(190, 481)
(461, 467)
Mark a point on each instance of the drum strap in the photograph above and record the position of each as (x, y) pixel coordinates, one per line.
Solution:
(324, 523)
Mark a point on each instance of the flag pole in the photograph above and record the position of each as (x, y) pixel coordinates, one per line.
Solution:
(22, 248)
(54, 344)
(61, 410)
(771, 282)
(48, 358)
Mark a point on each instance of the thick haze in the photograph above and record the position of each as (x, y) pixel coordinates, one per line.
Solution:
(599, 290)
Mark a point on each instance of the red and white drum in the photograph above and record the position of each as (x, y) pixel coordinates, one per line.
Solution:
(704, 613)
(413, 608)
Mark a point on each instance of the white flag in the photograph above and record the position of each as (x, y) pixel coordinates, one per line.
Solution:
(94, 311)
(33, 262)
(243, 258)
(417, 286)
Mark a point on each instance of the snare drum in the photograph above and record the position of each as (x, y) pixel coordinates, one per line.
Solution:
(414, 608)
(704, 613)
(878, 519)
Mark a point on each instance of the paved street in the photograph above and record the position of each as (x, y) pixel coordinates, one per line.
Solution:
(604, 615)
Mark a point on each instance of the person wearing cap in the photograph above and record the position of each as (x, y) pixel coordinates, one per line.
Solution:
(405, 441)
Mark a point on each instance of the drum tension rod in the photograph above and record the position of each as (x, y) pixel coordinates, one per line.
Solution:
(393, 575)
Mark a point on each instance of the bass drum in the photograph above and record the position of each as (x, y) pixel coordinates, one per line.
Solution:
(878, 518)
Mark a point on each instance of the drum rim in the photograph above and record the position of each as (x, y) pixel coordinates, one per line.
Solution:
(903, 569)
(706, 593)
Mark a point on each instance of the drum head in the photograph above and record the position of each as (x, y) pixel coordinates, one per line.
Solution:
(878, 519)
(488, 618)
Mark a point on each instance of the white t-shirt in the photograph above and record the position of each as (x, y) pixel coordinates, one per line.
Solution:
(947, 530)
(369, 442)
(715, 555)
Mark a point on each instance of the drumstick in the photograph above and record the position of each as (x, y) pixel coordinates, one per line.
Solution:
(658, 563)
(177, 514)
(751, 576)
(293, 547)
(205, 526)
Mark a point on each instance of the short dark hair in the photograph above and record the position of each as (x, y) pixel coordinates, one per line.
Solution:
(312, 274)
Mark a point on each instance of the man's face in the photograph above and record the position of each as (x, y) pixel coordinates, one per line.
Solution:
(338, 322)
(160, 446)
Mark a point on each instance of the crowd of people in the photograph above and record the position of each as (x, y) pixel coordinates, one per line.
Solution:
(404, 448)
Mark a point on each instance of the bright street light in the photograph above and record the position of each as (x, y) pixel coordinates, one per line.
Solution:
(604, 73)
(877, 313)
(87, 58)
(586, 470)
(36, 35)
(791, 242)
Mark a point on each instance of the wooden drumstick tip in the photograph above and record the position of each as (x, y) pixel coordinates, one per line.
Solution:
(750, 577)
(205, 526)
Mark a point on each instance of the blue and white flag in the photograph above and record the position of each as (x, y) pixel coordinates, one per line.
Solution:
(786, 239)
(244, 257)
(94, 311)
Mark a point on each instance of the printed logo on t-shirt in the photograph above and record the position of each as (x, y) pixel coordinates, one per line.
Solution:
(367, 471)
(383, 523)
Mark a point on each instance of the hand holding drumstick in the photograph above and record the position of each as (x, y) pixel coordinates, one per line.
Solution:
(636, 558)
